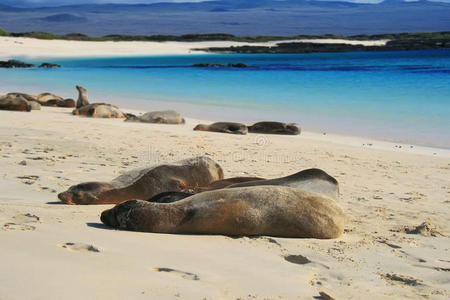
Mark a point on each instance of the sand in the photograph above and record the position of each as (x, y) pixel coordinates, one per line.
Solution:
(54, 251)
(35, 48)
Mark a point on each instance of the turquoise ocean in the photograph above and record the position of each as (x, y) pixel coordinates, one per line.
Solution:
(397, 96)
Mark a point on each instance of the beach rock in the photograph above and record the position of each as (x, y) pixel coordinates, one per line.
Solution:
(146, 183)
(12, 63)
(160, 117)
(311, 180)
(44, 97)
(274, 128)
(99, 110)
(15, 102)
(49, 65)
(225, 127)
(82, 96)
(248, 211)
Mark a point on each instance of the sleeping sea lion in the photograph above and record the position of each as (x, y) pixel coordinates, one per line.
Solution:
(311, 180)
(225, 127)
(159, 117)
(14, 102)
(257, 210)
(146, 182)
(169, 197)
(99, 110)
(274, 128)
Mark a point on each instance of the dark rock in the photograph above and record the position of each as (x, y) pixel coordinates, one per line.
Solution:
(230, 65)
(49, 65)
(12, 63)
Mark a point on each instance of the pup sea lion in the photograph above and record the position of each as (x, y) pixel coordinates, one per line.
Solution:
(311, 180)
(14, 102)
(274, 128)
(258, 210)
(146, 183)
(82, 96)
(225, 127)
(159, 117)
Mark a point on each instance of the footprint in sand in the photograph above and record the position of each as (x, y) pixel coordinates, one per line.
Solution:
(22, 222)
(79, 247)
(184, 275)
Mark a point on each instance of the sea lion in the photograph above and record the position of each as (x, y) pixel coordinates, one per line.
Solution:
(220, 184)
(274, 128)
(160, 117)
(82, 96)
(99, 110)
(44, 97)
(14, 102)
(248, 211)
(35, 105)
(60, 103)
(225, 127)
(145, 183)
(311, 180)
(24, 95)
(169, 197)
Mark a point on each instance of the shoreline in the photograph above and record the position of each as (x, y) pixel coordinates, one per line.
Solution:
(16, 47)
(339, 138)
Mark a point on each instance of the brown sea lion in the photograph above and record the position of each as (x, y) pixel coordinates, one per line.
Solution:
(159, 117)
(258, 210)
(311, 180)
(274, 128)
(14, 102)
(60, 103)
(169, 197)
(26, 96)
(82, 96)
(220, 184)
(99, 110)
(44, 97)
(146, 182)
(225, 127)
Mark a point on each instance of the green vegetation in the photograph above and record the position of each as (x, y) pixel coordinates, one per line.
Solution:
(397, 41)
(3, 33)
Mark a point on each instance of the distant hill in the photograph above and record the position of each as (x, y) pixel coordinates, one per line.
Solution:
(63, 18)
(238, 17)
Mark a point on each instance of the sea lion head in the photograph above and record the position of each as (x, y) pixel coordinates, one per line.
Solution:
(84, 193)
(201, 127)
(293, 128)
(80, 88)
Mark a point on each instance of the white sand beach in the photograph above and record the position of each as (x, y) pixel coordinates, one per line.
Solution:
(29, 47)
(50, 250)
(53, 251)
